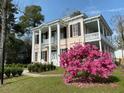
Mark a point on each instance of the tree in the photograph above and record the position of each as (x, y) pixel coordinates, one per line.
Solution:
(3, 36)
(32, 17)
(120, 33)
(14, 47)
(75, 13)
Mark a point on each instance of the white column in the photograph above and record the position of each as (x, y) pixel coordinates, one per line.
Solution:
(68, 35)
(98, 23)
(100, 43)
(33, 46)
(82, 32)
(49, 58)
(58, 44)
(39, 51)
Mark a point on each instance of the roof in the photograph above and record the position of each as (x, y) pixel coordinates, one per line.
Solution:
(58, 20)
(68, 18)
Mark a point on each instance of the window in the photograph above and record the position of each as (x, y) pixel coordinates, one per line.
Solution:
(63, 50)
(36, 55)
(75, 30)
(44, 55)
(37, 39)
(44, 36)
(63, 33)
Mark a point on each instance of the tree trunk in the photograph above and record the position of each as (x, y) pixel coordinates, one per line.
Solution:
(2, 45)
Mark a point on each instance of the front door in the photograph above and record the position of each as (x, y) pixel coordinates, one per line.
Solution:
(54, 57)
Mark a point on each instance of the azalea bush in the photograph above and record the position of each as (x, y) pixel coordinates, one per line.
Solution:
(86, 62)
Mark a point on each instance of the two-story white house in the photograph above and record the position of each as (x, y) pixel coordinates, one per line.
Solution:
(49, 40)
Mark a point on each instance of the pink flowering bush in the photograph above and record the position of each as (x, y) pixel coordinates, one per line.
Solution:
(86, 62)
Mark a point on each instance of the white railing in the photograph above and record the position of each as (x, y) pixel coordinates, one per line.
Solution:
(92, 37)
(95, 36)
(46, 41)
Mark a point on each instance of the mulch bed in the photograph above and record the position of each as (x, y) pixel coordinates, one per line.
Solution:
(87, 85)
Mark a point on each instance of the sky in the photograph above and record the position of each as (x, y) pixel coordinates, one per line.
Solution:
(54, 9)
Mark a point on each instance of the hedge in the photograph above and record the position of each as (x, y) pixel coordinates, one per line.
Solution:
(16, 65)
(12, 71)
(38, 67)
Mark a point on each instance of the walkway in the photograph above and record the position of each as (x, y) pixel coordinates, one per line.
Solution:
(26, 73)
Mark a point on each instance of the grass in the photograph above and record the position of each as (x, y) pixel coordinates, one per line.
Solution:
(55, 85)
(58, 70)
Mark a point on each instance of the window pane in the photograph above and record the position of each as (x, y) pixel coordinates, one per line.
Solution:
(36, 39)
(36, 55)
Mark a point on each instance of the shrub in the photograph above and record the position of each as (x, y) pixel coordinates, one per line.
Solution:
(88, 60)
(49, 67)
(30, 67)
(44, 67)
(19, 71)
(41, 68)
(16, 65)
(14, 71)
(38, 67)
(7, 72)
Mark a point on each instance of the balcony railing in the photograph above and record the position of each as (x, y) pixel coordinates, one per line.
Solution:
(95, 37)
(92, 37)
(46, 41)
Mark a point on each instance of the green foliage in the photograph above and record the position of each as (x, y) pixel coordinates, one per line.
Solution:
(7, 71)
(32, 17)
(16, 49)
(14, 71)
(55, 85)
(29, 67)
(16, 65)
(75, 13)
(19, 71)
(40, 67)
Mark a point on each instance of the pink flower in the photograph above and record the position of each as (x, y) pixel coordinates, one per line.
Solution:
(86, 58)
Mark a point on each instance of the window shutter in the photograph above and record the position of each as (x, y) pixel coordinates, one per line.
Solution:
(36, 39)
(65, 32)
(45, 55)
(46, 35)
(42, 38)
(79, 29)
(41, 55)
(70, 30)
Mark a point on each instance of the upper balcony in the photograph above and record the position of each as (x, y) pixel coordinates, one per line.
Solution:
(46, 41)
(95, 31)
(92, 37)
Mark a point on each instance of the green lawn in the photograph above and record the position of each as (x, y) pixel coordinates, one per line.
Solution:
(55, 85)
(58, 70)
